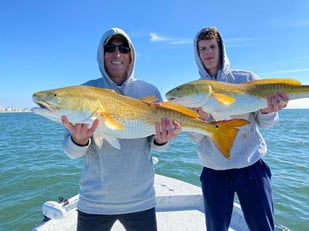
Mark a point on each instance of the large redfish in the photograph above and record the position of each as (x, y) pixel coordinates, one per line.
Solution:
(127, 118)
(225, 100)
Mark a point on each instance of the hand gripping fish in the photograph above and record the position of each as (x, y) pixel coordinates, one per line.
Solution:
(225, 100)
(128, 118)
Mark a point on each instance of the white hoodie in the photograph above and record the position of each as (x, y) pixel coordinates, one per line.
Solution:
(117, 181)
(249, 145)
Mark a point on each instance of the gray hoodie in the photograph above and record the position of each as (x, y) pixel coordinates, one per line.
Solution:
(249, 145)
(116, 181)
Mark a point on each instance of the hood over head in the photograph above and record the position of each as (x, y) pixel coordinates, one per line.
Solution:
(100, 53)
(225, 63)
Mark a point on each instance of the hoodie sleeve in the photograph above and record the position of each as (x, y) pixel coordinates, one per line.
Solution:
(266, 120)
(158, 147)
(72, 150)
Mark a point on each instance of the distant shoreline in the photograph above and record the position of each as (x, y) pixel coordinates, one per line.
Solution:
(15, 111)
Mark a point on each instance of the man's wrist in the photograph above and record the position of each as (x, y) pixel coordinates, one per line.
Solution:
(158, 144)
(264, 112)
(84, 144)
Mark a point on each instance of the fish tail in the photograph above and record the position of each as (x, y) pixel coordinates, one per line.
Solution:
(225, 134)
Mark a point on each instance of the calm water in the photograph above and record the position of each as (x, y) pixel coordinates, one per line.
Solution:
(34, 168)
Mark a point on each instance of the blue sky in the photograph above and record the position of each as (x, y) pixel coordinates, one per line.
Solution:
(47, 44)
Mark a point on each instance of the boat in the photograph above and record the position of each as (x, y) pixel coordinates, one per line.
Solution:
(179, 207)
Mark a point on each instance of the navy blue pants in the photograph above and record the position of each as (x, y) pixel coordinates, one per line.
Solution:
(253, 187)
(144, 220)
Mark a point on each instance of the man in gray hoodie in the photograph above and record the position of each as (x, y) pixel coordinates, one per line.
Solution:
(117, 184)
(245, 173)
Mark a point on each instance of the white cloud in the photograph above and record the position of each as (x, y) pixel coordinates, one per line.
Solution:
(154, 37)
(183, 41)
(241, 42)
(286, 71)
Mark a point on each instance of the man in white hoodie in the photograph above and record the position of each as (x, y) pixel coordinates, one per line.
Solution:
(117, 184)
(245, 173)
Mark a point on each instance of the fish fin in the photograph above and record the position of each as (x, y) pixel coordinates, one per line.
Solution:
(217, 115)
(99, 139)
(178, 108)
(221, 116)
(224, 99)
(275, 81)
(225, 134)
(149, 99)
(112, 141)
(110, 122)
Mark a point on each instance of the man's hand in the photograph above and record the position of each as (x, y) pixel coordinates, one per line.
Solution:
(203, 115)
(80, 132)
(275, 102)
(166, 130)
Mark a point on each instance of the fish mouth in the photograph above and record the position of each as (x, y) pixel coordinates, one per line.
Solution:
(49, 107)
(171, 98)
(187, 102)
(36, 97)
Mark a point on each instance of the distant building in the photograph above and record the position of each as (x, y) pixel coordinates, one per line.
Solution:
(13, 109)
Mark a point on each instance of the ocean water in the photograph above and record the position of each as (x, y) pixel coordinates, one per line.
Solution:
(34, 168)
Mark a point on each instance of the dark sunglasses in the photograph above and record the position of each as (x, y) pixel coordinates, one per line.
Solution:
(112, 47)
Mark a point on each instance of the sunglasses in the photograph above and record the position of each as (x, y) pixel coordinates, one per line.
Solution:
(112, 47)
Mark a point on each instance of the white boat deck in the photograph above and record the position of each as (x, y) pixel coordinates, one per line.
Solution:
(179, 207)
